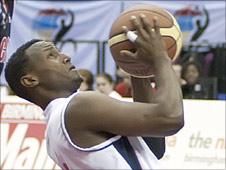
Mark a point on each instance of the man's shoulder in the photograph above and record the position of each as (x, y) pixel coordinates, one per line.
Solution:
(87, 104)
(82, 100)
(85, 96)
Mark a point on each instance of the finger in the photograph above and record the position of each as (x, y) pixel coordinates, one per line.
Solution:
(126, 53)
(125, 29)
(139, 27)
(156, 25)
(146, 24)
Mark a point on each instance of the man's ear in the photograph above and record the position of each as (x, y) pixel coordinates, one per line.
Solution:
(29, 80)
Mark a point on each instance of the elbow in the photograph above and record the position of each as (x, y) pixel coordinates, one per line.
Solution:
(179, 117)
(175, 124)
(179, 123)
(174, 121)
(174, 116)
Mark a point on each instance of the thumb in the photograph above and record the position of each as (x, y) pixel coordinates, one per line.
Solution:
(127, 53)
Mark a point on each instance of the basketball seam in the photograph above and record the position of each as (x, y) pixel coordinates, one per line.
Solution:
(118, 43)
(148, 11)
(162, 36)
(175, 41)
(174, 27)
(180, 35)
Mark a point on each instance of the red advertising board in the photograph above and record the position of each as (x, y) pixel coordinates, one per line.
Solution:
(23, 137)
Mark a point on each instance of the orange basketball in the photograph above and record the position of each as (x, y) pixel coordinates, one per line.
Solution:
(169, 29)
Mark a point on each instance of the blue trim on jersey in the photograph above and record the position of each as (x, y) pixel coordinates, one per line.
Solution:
(97, 147)
(94, 150)
(157, 145)
(126, 150)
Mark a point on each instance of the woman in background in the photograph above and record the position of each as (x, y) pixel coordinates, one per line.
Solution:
(191, 73)
(105, 84)
(87, 77)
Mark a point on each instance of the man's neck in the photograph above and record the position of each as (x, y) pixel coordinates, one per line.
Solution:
(44, 99)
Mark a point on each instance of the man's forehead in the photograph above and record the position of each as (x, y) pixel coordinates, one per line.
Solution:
(40, 46)
(43, 44)
(37, 48)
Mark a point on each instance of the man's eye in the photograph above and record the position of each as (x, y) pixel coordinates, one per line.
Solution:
(52, 55)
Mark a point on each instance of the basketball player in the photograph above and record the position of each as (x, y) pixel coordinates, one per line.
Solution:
(89, 130)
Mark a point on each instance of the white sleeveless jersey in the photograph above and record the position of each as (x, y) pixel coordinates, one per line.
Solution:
(118, 152)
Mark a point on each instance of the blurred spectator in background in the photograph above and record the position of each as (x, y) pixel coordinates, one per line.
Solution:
(105, 84)
(87, 77)
(192, 88)
(124, 87)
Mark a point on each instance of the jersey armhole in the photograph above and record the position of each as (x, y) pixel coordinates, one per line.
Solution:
(98, 147)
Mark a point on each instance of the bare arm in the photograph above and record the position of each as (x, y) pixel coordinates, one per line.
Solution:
(143, 92)
(95, 112)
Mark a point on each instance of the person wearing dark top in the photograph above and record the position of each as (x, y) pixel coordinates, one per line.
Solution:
(193, 88)
(6, 12)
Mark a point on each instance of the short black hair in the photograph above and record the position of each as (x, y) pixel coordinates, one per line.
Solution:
(16, 67)
(187, 64)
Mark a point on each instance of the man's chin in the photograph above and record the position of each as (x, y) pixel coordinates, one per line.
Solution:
(80, 80)
(77, 82)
